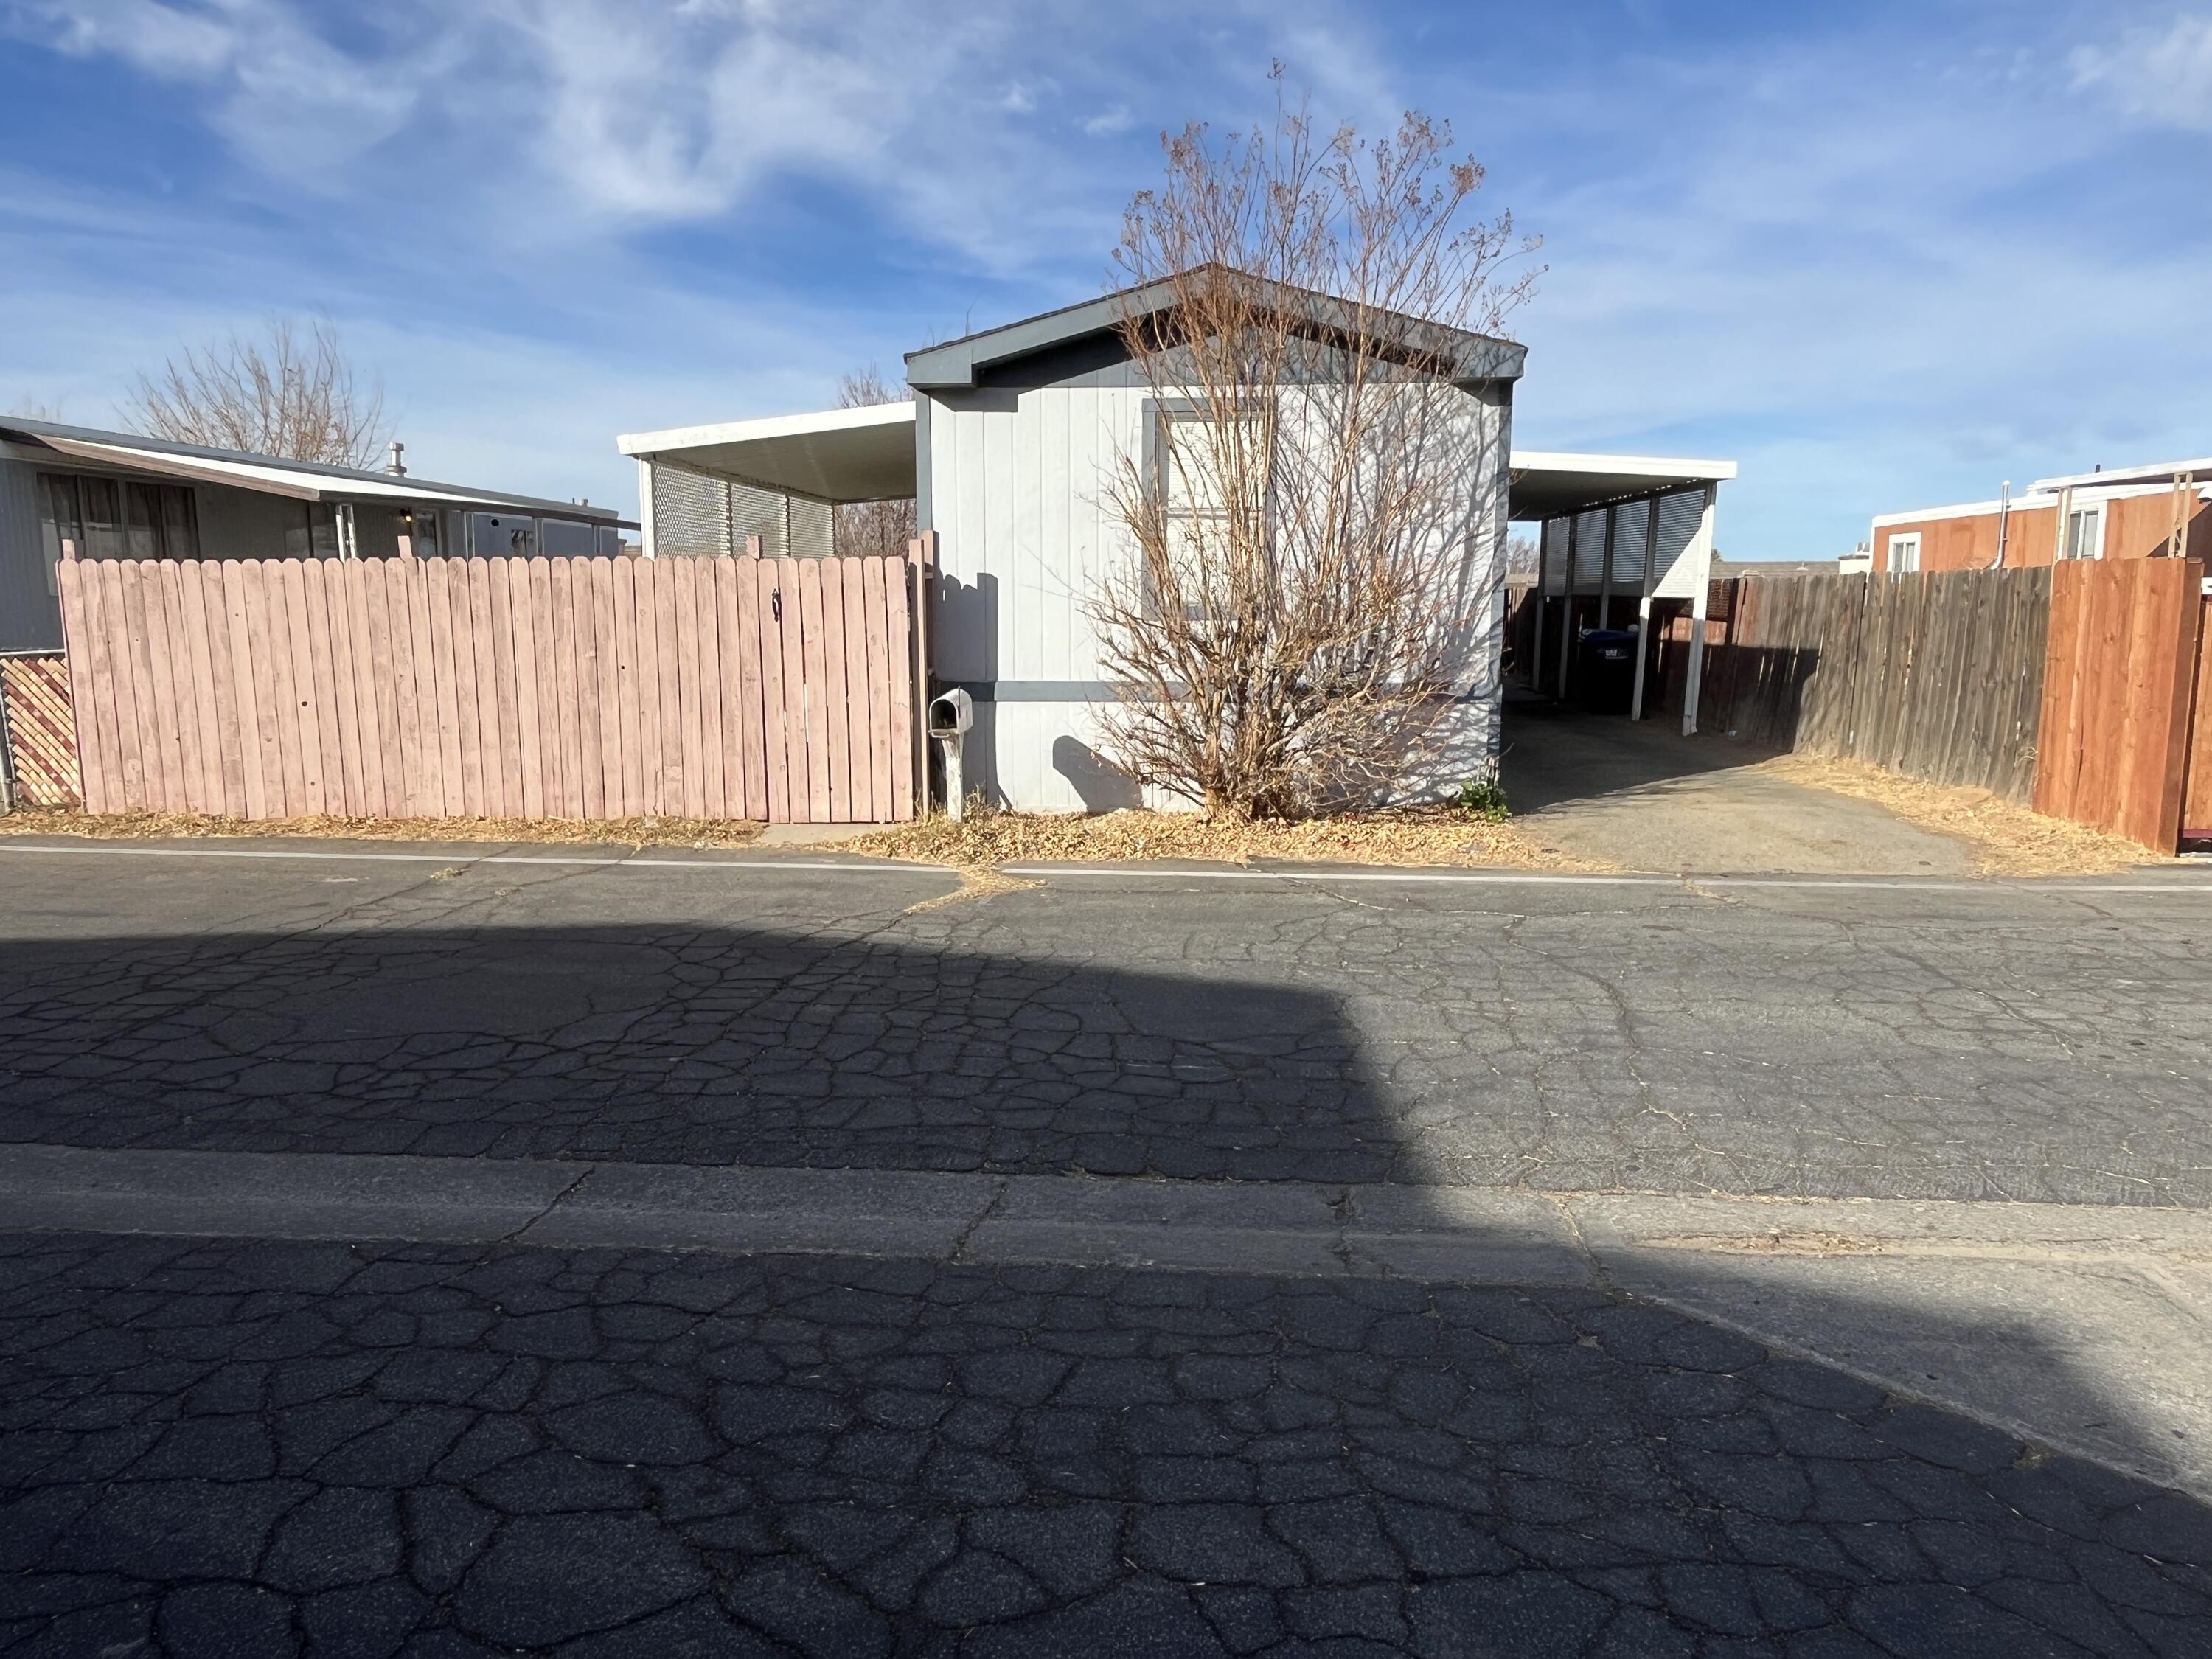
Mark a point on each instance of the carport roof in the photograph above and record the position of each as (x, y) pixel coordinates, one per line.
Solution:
(1549, 484)
(868, 454)
(863, 454)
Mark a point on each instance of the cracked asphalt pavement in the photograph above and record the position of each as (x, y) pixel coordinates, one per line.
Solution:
(1999, 1043)
(239, 1446)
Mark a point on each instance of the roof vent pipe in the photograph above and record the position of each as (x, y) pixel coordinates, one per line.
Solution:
(395, 466)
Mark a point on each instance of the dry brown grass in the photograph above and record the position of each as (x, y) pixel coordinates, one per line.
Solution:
(2007, 839)
(613, 832)
(1415, 836)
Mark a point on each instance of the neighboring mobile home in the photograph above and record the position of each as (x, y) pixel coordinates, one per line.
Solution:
(1010, 447)
(2134, 513)
(117, 496)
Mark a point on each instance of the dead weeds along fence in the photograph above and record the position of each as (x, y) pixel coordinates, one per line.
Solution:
(2069, 688)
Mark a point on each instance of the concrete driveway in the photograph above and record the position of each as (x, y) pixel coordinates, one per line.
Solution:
(404, 1251)
(1643, 797)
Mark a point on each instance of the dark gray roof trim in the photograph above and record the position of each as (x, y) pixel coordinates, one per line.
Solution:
(18, 426)
(960, 362)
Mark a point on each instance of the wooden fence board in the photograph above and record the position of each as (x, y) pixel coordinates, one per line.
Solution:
(900, 581)
(751, 738)
(623, 585)
(775, 738)
(581, 689)
(2196, 783)
(567, 704)
(853, 607)
(881, 672)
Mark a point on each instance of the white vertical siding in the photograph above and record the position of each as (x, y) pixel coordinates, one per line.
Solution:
(1021, 491)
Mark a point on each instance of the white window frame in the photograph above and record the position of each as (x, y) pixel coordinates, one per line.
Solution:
(2091, 512)
(1901, 553)
(1164, 416)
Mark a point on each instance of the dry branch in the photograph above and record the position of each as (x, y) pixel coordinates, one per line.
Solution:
(1315, 525)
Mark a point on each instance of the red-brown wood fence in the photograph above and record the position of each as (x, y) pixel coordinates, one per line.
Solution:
(780, 690)
(2117, 695)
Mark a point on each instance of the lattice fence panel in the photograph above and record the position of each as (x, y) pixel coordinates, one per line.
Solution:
(41, 730)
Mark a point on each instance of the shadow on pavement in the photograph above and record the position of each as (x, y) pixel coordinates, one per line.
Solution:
(242, 1449)
(236, 1447)
(1556, 753)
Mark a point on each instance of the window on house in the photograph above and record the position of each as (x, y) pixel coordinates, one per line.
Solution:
(115, 519)
(1904, 554)
(2085, 533)
(314, 534)
(1196, 500)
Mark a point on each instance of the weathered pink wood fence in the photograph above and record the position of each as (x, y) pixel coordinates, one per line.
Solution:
(770, 688)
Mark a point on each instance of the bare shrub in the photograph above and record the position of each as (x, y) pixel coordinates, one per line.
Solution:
(875, 529)
(1316, 514)
(289, 394)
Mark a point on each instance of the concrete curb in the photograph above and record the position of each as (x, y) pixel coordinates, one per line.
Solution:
(2086, 1328)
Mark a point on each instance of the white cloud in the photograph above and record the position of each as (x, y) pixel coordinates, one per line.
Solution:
(2157, 76)
(1832, 251)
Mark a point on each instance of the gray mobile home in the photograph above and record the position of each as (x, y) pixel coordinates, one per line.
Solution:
(118, 495)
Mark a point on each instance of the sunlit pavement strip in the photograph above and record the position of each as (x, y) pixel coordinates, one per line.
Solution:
(2073, 1326)
(462, 856)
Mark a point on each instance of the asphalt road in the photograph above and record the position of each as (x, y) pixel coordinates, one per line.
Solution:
(1964, 1043)
(236, 1446)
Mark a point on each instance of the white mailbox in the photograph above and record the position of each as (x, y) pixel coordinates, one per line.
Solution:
(950, 716)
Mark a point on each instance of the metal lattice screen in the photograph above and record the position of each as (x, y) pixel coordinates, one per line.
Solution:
(1555, 555)
(1631, 528)
(697, 516)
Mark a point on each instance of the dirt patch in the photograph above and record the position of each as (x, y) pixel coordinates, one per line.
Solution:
(976, 882)
(611, 832)
(1437, 835)
(2007, 839)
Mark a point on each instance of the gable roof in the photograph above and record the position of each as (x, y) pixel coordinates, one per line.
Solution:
(957, 363)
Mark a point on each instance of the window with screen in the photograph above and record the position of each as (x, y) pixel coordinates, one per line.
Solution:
(1904, 554)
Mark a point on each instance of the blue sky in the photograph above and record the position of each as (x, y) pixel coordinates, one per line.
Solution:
(1883, 254)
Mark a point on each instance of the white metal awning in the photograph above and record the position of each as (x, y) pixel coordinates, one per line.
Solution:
(1551, 484)
(833, 455)
(868, 455)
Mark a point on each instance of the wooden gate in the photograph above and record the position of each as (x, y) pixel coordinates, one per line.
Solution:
(777, 689)
(2117, 696)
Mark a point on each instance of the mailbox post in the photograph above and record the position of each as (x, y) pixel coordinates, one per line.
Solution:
(950, 716)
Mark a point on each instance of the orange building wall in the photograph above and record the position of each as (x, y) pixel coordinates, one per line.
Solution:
(2135, 527)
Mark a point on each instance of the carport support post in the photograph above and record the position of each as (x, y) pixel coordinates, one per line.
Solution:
(1644, 606)
(1567, 604)
(646, 545)
(1704, 573)
(1536, 633)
